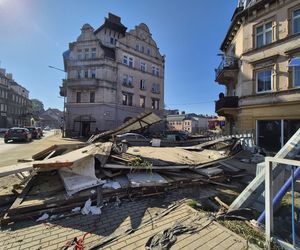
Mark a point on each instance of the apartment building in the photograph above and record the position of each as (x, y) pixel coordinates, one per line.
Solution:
(112, 75)
(260, 69)
(191, 123)
(15, 106)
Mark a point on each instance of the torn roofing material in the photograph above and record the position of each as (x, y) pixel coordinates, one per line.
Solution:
(141, 121)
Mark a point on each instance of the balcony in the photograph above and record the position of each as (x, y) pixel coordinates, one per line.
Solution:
(227, 71)
(227, 105)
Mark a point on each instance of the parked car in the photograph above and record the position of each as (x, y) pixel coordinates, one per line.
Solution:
(176, 135)
(3, 131)
(133, 139)
(40, 131)
(17, 134)
(34, 132)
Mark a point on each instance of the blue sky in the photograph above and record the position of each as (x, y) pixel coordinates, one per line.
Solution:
(35, 33)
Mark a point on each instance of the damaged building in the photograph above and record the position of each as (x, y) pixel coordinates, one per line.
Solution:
(112, 75)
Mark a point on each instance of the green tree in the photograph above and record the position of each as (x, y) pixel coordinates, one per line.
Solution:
(37, 106)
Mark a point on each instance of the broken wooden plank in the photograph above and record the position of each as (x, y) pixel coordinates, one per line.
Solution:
(16, 168)
(69, 159)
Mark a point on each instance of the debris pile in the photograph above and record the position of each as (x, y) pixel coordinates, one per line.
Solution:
(67, 179)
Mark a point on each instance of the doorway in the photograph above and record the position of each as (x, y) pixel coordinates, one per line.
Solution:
(85, 128)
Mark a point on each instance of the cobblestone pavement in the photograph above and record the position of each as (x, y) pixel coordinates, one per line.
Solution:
(142, 215)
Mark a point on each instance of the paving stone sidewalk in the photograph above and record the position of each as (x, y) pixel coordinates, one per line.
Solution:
(115, 220)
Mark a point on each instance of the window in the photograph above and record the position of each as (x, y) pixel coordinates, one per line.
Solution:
(92, 97)
(78, 97)
(142, 49)
(296, 21)
(296, 76)
(155, 71)
(93, 73)
(128, 61)
(93, 53)
(264, 80)
(142, 84)
(113, 41)
(79, 54)
(264, 35)
(155, 88)
(143, 66)
(125, 60)
(148, 51)
(155, 103)
(137, 47)
(127, 99)
(130, 80)
(86, 74)
(142, 101)
(86, 54)
(127, 80)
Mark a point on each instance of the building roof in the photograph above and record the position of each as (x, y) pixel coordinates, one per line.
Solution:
(236, 20)
(113, 22)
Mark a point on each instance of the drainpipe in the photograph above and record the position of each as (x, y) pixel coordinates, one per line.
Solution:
(281, 193)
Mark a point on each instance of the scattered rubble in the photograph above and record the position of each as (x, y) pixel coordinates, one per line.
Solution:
(84, 176)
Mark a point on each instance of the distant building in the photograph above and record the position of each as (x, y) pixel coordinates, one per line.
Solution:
(15, 106)
(216, 123)
(52, 118)
(112, 76)
(191, 123)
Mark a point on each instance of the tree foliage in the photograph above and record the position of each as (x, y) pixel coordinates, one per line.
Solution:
(37, 106)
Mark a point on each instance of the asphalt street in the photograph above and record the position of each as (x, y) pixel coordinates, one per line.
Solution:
(12, 151)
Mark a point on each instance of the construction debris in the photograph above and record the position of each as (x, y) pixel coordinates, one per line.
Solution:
(65, 177)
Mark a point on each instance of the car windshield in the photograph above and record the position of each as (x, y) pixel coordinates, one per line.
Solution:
(16, 130)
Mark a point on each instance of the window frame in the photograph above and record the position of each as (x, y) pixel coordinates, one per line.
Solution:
(293, 20)
(126, 101)
(153, 102)
(142, 84)
(294, 77)
(144, 101)
(256, 80)
(263, 33)
(78, 97)
(143, 67)
(92, 96)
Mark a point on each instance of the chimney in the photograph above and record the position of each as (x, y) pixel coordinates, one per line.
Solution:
(2, 71)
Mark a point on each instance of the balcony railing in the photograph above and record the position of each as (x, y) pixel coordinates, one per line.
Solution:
(228, 63)
(227, 102)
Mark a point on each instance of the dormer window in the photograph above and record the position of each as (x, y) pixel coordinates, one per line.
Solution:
(263, 35)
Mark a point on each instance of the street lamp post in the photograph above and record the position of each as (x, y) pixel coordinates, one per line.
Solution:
(64, 108)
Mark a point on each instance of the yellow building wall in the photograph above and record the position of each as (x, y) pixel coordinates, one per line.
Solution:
(247, 116)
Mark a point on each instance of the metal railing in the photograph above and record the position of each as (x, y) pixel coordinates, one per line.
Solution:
(227, 102)
(228, 62)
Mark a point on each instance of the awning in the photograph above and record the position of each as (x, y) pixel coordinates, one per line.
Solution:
(294, 62)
